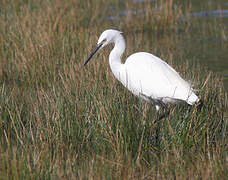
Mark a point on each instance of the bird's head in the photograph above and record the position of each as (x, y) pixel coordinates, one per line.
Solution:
(107, 37)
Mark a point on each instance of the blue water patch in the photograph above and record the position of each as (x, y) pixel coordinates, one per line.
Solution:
(223, 13)
(143, 1)
(124, 13)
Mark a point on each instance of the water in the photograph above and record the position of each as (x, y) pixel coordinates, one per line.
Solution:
(143, 1)
(212, 51)
(220, 13)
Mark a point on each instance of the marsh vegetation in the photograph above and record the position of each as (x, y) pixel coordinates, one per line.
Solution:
(59, 120)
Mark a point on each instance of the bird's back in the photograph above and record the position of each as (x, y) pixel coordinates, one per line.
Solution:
(150, 76)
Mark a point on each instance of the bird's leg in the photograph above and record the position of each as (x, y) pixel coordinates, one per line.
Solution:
(158, 104)
(199, 106)
(188, 111)
(164, 108)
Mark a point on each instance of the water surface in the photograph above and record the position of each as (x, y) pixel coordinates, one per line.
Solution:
(212, 51)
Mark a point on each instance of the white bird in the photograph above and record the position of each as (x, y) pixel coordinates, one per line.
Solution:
(144, 74)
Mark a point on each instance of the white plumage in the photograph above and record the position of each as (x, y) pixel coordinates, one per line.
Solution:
(144, 74)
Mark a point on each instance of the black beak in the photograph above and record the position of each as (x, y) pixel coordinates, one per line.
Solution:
(93, 52)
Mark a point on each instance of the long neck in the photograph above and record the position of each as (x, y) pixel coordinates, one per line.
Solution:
(115, 57)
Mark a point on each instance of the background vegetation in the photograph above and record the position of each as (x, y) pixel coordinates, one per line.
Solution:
(59, 120)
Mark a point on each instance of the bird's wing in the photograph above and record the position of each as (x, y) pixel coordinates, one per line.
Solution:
(149, 75)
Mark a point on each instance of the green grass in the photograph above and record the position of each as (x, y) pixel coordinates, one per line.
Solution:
(59, 120)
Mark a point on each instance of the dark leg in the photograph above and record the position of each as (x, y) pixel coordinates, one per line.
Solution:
(158, 120)
(160, 104)
(157, 135)
(199, 106)
(164, 109)
(165, 112)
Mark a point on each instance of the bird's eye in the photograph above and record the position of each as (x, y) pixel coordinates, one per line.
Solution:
(102, 42)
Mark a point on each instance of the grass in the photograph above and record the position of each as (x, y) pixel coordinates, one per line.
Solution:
(59, 120)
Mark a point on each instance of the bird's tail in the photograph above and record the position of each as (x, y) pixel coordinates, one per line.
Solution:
(193, 99)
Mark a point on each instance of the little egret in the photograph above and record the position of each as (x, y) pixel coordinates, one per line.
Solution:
(144, 74)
